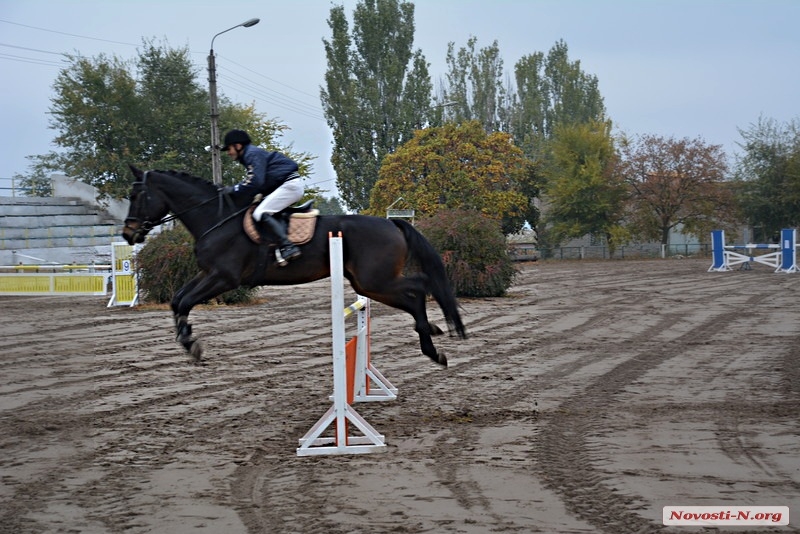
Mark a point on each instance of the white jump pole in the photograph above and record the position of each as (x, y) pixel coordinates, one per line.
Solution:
(341, 413)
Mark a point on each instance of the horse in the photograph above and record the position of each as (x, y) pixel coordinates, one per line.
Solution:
(378, 254)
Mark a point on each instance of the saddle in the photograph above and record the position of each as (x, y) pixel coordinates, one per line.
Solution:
(301, 219)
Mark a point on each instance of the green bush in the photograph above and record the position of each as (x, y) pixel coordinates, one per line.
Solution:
(474, 252)
(166, 263)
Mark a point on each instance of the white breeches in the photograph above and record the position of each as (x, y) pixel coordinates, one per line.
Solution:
(283, 197)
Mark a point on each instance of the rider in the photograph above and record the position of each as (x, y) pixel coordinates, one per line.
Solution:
(275, 176)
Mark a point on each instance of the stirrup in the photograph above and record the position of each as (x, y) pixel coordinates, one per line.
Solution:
(290, 251)
(279, 259)
(284, 261)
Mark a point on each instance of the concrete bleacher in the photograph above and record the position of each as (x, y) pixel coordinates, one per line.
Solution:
(71, 227)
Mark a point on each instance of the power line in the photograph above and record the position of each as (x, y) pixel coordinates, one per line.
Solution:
(31, 49)
(32, 61)
(277, 98)
(243, 84)
(267, 100)
(277, 94)
(48, 30)
(68, 34)
(270, 79)
(322, 182)
(261, 93)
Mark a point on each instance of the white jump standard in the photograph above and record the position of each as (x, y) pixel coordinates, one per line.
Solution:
(341, 414)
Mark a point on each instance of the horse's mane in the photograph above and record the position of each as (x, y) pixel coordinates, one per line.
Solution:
(186, 177)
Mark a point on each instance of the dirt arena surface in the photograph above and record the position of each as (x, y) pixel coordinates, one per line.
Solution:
(591, 397)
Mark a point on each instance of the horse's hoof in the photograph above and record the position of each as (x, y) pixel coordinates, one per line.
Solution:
(442, 359)
(436, 331)
(196, 351)
(193, 347)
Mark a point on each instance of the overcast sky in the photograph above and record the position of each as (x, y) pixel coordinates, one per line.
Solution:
(693, 68)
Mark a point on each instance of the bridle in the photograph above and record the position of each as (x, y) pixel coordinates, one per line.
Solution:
(144, 226)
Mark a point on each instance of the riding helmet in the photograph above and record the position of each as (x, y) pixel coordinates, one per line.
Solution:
(235, 136)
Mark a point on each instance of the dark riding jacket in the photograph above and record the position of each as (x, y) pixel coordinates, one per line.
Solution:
(266, 171)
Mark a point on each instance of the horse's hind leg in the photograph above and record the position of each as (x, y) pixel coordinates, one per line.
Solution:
(408, 294)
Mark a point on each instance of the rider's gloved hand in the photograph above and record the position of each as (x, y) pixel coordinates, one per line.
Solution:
(228, 189)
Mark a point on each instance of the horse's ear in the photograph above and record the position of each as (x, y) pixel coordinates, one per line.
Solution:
(136, 172)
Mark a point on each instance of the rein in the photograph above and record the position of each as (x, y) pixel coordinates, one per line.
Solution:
(223, 221)
(148, 225)
(174, 216)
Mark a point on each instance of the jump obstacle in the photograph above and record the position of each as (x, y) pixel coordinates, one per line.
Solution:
(118, 279)
(355, 379)
(782, 258)
(70, 279)
(125, 291)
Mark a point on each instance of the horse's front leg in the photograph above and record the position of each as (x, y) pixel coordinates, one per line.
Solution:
(180, 313)
(191, 344)
(201, 288)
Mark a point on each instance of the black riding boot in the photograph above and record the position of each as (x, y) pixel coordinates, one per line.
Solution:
(286, 249)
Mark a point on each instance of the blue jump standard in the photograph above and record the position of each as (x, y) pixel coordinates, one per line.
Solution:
(786, 251)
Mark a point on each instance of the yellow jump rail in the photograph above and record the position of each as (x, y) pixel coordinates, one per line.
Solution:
(37, 283)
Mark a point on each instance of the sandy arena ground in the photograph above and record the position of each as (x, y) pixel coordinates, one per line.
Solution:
(591, 397)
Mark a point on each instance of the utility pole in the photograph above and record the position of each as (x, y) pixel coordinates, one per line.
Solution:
(216, 157)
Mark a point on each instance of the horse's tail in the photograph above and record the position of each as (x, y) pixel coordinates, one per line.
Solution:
(436, 282)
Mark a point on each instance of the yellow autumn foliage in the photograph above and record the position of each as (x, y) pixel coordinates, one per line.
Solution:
(455, 166)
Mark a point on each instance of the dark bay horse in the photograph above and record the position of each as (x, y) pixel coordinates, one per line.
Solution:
(375, 250)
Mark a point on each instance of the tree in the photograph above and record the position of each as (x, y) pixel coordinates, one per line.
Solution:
(675, 184)
(109, 112)
(573, 95)
(474, 252)
(550, 90)
(173, 110)
(475, 90)
(96, 111)
(456, 167)
(584, 192)
(35, 184)
(371, 100)
(768, 176)
(328, 205)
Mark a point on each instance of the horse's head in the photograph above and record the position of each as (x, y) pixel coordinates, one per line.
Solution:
(147, 209)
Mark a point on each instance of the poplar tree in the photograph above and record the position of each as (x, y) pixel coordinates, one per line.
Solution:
(475, 89)
(585, 193)
(550, 90)
(376, 93)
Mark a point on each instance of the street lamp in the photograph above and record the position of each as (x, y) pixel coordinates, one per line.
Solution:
(216, 160)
